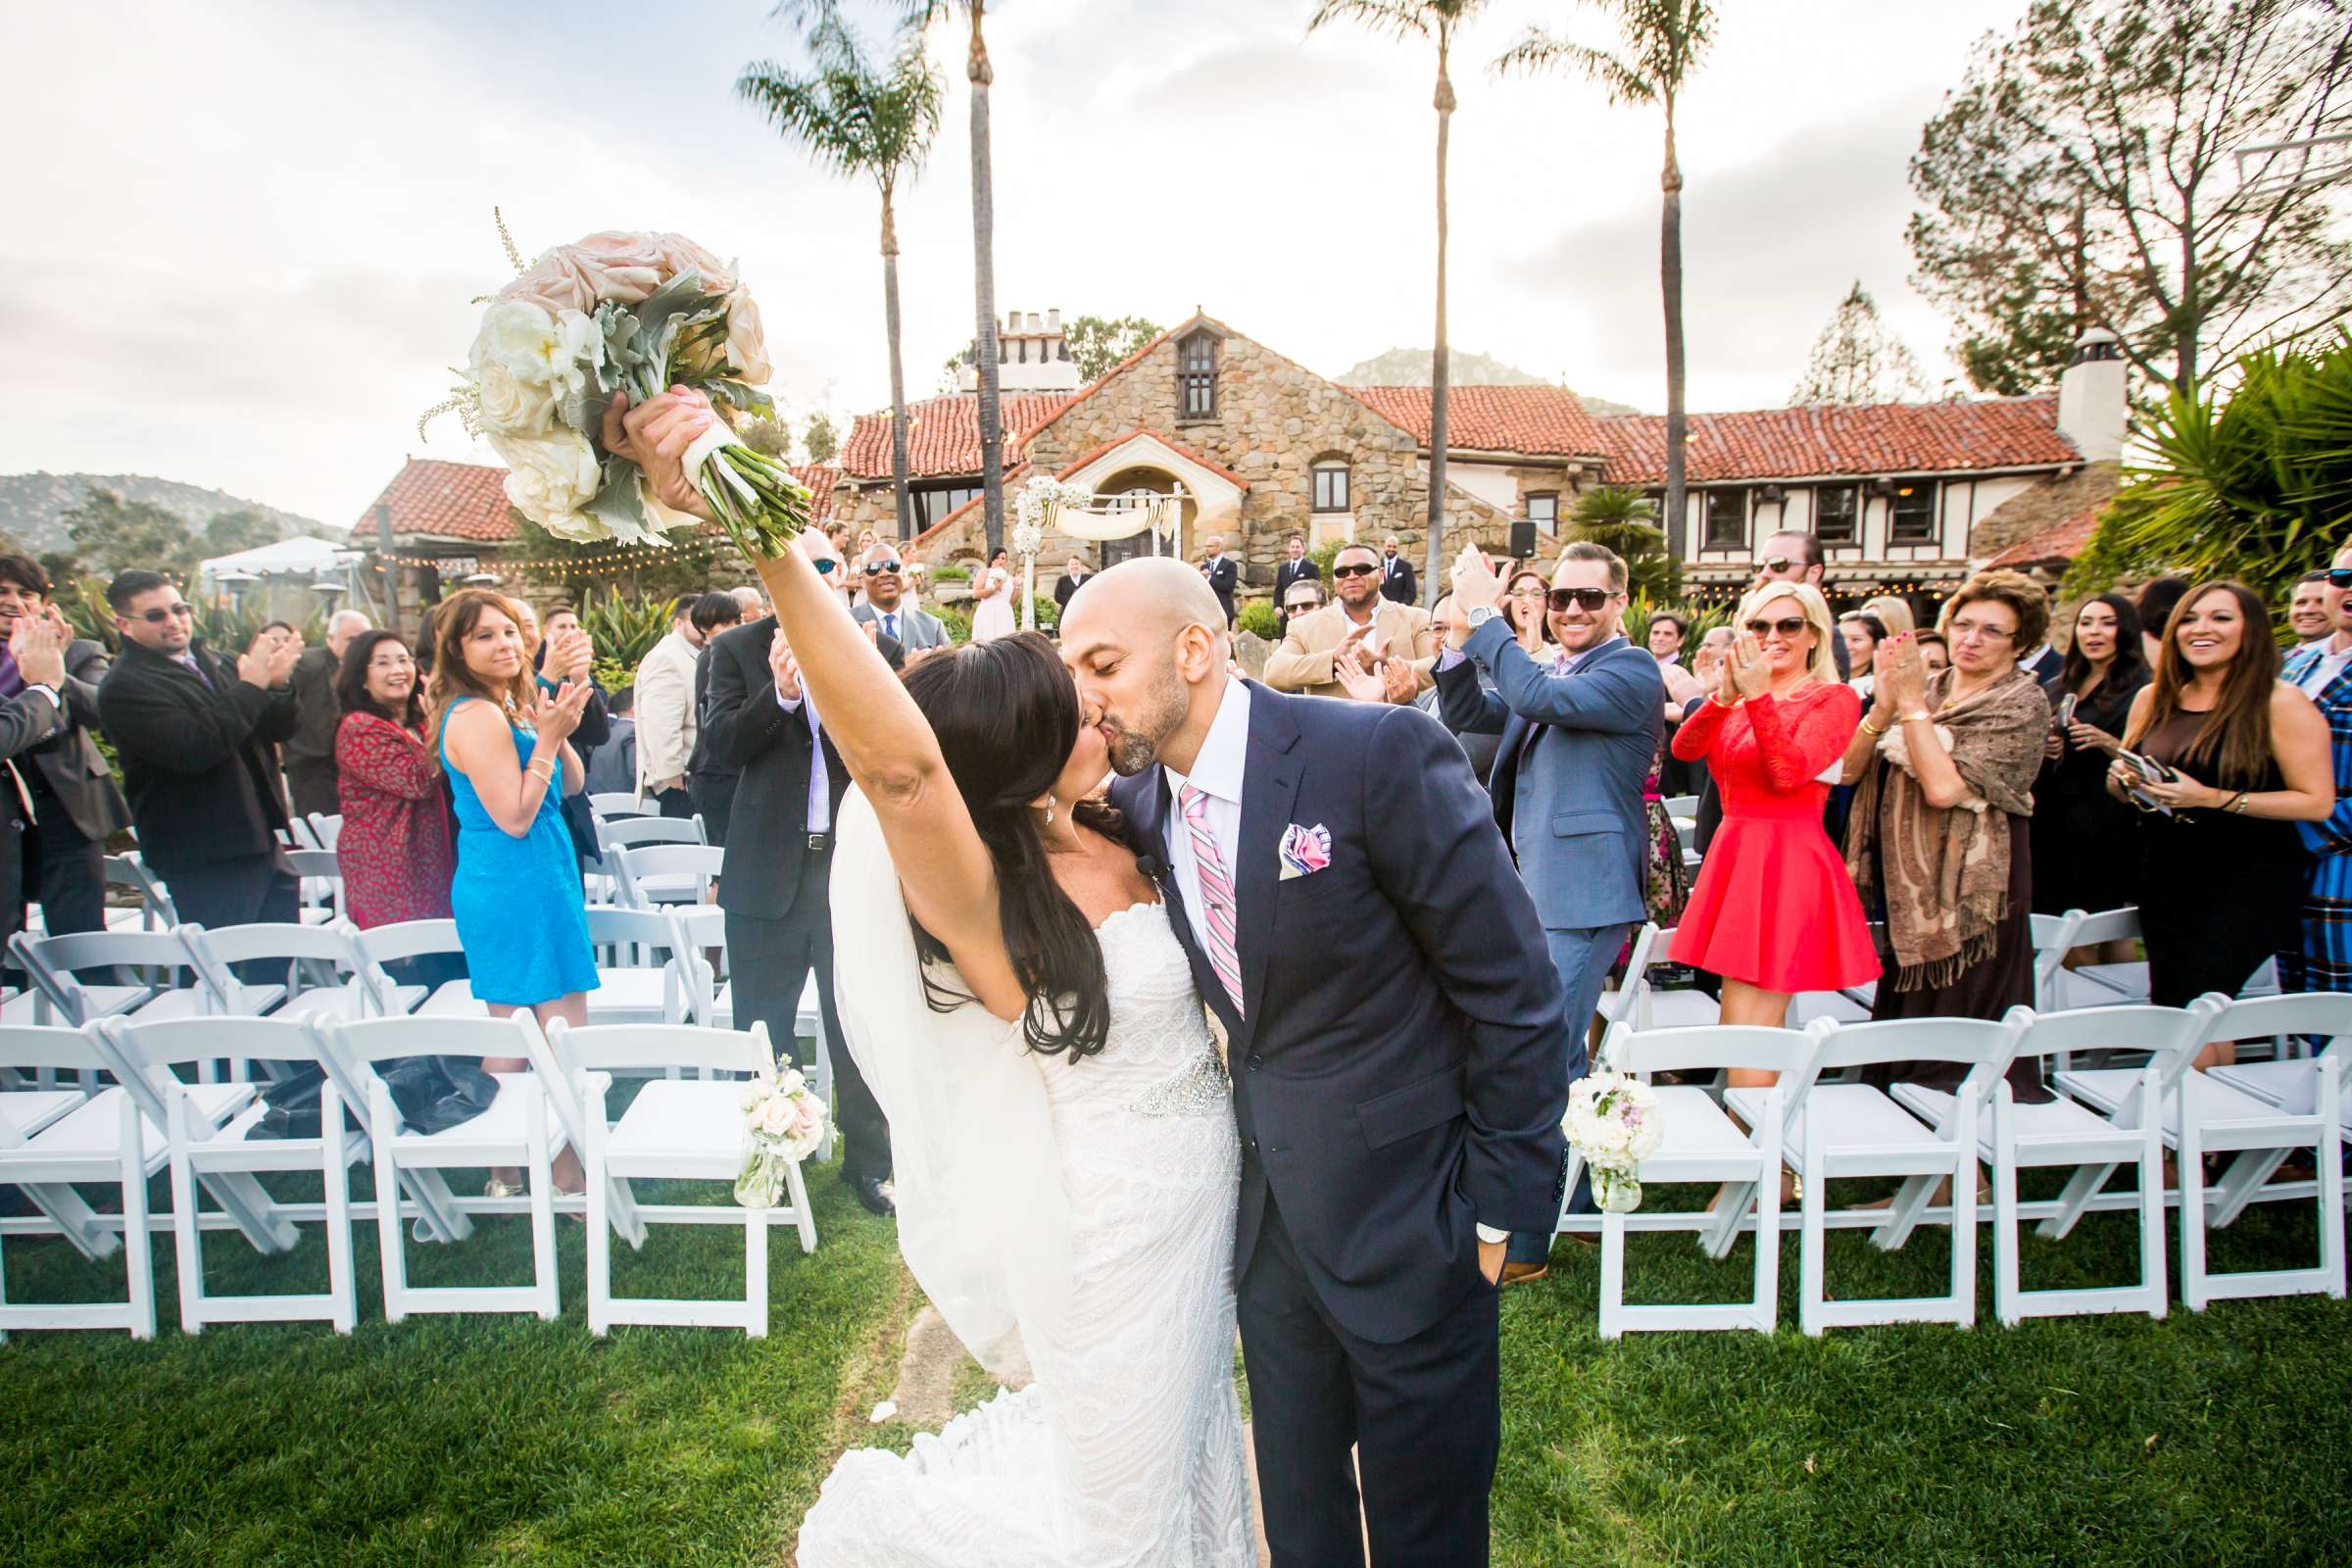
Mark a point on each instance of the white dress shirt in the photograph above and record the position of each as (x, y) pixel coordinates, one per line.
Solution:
(1217, 774)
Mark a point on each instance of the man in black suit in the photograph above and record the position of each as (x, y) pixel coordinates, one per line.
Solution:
(1295, 568)
(708, 781)
(311, 753)
(1396, 580)
(33, 713)
(1398, 1046)
(197, 736)
(1223, 573)
(66, 780)
(775, 883)
(1071, 578)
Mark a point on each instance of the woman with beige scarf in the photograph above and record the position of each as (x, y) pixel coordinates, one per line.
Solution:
(1938, 838)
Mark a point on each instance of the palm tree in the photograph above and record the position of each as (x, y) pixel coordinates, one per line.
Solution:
(1439, 20)
(1663, 40)
(859, 121)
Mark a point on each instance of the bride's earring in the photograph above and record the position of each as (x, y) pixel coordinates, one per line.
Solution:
(1048, 811)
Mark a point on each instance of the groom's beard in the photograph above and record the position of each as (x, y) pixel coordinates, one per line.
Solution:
(1134, 751)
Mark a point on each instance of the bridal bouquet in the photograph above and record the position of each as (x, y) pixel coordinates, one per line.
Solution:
(783, 1123)
(634, 313)
(1614, 1121)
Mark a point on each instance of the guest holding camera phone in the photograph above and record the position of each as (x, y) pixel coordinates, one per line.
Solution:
(2250, 757)
(2085, 855)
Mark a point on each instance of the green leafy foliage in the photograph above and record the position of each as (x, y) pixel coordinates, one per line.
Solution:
(112, 534)
(2254, 484)
(1259, 618)
(82, 602)
(1622, 519)
(822, 440)
(957, 620)
(1098, 343)
(240, 529)
(624, 627)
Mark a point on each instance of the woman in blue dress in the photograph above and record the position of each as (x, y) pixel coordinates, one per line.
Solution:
(505, 741)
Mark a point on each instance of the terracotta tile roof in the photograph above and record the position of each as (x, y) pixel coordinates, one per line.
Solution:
(444, 499)
(1881, 438)
(821, 478)
(2063, 542)
(1540, 421)
(943, 434)
(1168, 441)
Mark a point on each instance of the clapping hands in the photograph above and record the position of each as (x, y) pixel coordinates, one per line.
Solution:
(39, 646)
(785, 669)
(572, 654)
(270, 662)
(555, 716)
(1900, 675)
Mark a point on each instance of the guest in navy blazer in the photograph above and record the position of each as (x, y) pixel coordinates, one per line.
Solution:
(1578, 733)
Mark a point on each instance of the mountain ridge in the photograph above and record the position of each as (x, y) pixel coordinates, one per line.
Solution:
(1403, 367)
(32, 506)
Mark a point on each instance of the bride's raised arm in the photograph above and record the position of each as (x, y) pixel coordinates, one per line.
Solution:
(943, 869)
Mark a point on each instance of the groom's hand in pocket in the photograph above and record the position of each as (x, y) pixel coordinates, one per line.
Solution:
(1489, 1260)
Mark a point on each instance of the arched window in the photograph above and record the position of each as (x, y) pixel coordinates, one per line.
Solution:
(1331, 484)
(1196, 376)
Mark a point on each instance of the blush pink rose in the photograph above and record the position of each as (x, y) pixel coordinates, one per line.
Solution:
(611, 265)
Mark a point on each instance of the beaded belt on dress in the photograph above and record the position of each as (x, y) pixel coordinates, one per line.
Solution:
(1195, 1091)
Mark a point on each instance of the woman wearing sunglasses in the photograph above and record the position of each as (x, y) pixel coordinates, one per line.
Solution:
(1773, 913)
(1939, 835)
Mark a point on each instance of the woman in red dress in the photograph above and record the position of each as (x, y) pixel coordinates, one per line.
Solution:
(394, 848)
(1773, 913)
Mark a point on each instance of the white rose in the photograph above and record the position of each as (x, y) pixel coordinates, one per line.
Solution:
(536, 348)
(511, 407)
(775, 1117)
(549, 477)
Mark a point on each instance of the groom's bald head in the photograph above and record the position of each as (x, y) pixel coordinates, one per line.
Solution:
(1145, 643)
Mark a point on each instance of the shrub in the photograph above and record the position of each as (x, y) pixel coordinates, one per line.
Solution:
(1259, 618)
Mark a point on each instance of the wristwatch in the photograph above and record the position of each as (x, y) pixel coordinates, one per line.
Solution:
(1479, 615)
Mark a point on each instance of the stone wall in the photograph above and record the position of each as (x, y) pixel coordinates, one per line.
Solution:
(1275, 420)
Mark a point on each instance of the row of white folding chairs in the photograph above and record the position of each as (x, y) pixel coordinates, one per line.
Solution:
(206, 1135)
(1821, 1129)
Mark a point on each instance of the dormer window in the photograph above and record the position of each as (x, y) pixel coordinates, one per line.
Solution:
(1197, 377)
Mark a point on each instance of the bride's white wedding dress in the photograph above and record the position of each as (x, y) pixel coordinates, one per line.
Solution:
(1126, 1449)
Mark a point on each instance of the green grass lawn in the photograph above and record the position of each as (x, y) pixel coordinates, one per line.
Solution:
(2213, 1437)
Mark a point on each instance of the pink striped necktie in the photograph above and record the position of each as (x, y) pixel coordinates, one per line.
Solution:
(1217, 891)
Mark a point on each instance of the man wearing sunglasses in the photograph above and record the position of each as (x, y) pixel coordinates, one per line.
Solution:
(1794, 556)
(1358, 624)
(917, 632)
(1579, 731)
(196, 733)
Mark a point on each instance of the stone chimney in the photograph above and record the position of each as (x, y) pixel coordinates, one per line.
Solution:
(1032, 356)
(2091, 397)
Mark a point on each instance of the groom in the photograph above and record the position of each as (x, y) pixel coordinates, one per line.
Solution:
(1396, 1045)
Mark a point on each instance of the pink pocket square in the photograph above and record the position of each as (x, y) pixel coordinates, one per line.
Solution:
(1304, 849)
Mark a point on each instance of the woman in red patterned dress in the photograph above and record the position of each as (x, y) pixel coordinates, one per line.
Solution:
(1773, 913)
(394, 848)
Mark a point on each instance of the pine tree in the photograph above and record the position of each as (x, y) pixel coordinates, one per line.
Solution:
(1856, 360)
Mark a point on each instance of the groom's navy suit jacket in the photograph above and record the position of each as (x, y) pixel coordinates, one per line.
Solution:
(1399, 1058)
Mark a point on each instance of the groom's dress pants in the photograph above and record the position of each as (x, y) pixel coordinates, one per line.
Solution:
(1582, 956)
(1423, 1417)
(769, 962)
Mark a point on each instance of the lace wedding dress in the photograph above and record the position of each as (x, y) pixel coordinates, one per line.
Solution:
(1126, 1449)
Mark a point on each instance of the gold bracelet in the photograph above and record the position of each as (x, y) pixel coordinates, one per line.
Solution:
(1873, 733)
(548, 777)
(1914, 714)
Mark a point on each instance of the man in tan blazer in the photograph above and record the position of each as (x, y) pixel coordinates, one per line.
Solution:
(1357, 623)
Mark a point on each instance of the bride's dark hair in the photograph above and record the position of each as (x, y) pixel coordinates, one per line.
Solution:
(1007, 714)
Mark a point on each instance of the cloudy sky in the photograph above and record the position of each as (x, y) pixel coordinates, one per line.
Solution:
(248, 231)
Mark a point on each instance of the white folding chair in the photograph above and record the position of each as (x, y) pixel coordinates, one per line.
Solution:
(317, 958)
(628, 832)
(649, 979)
(56, 965)
(155, 903)
(2063, 1133)
(326, 828)
(386, 945)
(621, 803)
(200, 1149)
(2210, 1112)
(654, 874)
(1845, 1130)
(1702, 1145)
(296, 834)
(703, 928)
(2292, 1084)
(514, 1130)
(673, 1131)
(98, 1142)
(2058, 989)
(322, 883)
(1676, 1008)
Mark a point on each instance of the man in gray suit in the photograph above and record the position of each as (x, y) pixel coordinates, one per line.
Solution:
(76, 804)
(883, 575)
(1579, 732)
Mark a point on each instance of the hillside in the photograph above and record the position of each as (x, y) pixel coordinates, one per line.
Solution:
(33, 505)
(1410, 367)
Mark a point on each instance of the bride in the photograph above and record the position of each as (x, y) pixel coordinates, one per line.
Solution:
(1066, 1169)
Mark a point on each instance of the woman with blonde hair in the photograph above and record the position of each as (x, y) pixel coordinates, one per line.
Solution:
(1773, 913)
(504, 743)
(1893, 615)
(2221, 866)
